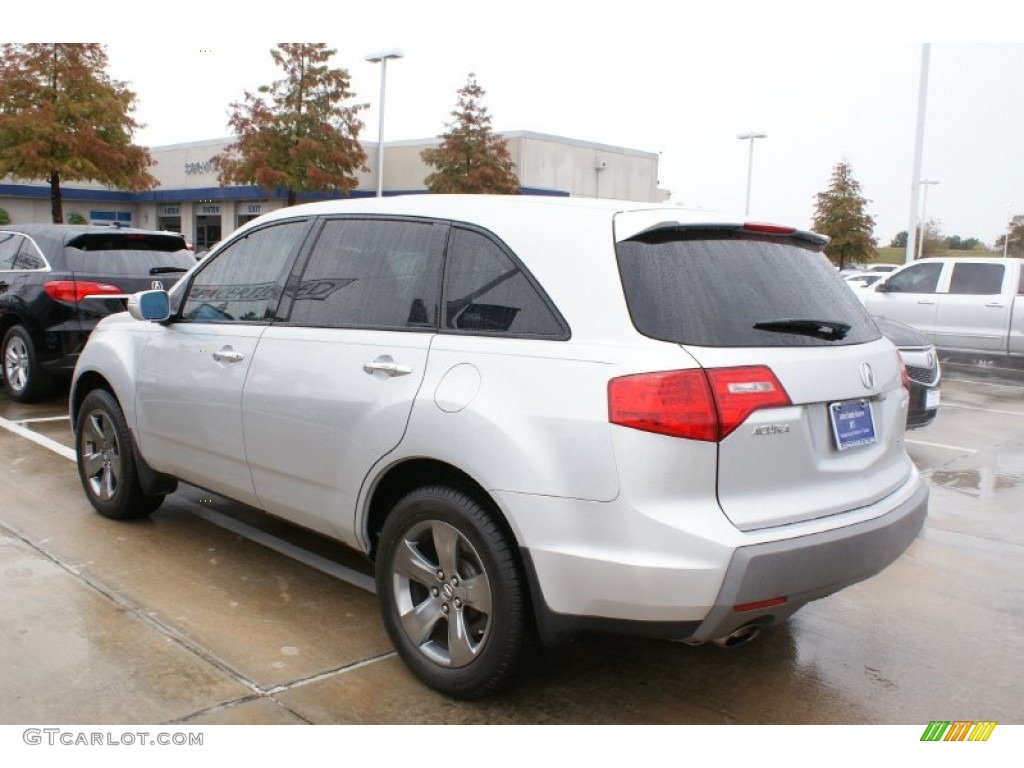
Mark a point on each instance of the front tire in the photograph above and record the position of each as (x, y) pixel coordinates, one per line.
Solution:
(24, 379)
(106, 460)
(452, 594)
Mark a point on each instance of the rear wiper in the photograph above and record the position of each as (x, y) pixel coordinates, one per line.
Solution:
(822, 329)
(166, 270)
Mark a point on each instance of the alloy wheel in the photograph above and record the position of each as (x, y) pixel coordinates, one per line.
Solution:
(101, 455)
(442, 593)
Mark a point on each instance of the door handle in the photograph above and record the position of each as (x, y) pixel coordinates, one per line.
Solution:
(926, 301)
(997, 304)
(387, 367)
(227, 354)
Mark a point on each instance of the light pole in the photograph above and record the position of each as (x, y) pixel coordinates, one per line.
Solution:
(382, 57)
(924, 214)
(750, 162)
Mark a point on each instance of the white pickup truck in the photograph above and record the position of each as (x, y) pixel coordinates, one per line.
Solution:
(961, 304)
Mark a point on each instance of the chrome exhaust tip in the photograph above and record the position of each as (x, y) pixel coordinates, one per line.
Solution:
(740, 636)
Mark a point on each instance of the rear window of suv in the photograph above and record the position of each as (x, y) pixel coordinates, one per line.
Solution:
(734, 289)
(127, 252)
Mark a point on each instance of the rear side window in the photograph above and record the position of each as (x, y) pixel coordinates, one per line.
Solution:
(731, 289)
(18, 253)
(487, 292)
(977, 279)
(370, 273)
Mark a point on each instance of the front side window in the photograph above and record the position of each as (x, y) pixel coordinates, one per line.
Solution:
(371, 273)
(243, 282)
(487, 292)
(920, 278)
(977, 279)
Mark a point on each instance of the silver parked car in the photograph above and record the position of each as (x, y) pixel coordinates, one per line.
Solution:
(537, 416)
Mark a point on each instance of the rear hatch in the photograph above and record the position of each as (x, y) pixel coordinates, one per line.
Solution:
(807, 396)
(121, 262)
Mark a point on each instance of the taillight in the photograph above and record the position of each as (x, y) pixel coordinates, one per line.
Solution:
(73, 291)
(696, 404)
(904, 376)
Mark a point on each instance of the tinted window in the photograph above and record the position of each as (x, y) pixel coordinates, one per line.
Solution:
(712, 289)
(367, 273)
(487, 292)
(920, 278)
(28, 256)
(115, 240)
(977, 279)
(10, 244)
(243, 282)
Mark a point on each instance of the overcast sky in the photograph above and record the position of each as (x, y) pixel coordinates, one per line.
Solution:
(826, 82)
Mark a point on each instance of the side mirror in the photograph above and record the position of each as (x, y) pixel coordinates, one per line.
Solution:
(883, 286)
(149, 305)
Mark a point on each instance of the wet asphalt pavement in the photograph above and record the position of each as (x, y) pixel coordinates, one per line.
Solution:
(209, 613)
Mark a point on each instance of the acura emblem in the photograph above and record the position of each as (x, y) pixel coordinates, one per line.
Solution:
(156, 285)
(867, 378)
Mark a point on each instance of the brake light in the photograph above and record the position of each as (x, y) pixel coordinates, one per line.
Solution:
(73, 291)
(696, 404)
(904, 375)
(768, 229)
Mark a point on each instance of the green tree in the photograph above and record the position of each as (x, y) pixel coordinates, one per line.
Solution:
(298, 133)
(63, 119)
(900, 240)
(5, 217)
(934, 243)
(471, 158)
(839, 213)
(1016, 244)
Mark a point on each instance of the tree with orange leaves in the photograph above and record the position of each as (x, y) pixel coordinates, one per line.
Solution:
(62, 118)
(297, 133)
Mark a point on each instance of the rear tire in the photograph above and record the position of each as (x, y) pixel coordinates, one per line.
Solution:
(453, 595)
(106, 460)
(24, 380)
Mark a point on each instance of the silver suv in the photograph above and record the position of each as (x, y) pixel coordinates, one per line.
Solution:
(537, 416)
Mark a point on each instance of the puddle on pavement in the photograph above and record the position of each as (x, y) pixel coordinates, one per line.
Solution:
(1000, 471)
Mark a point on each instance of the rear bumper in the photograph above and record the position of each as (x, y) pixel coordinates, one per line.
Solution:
(810, 567)
(799, 568)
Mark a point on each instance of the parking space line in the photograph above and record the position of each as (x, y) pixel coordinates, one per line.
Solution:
(322, 564)
(959, 448)
(65, 417)
(16, 428)
(975, 383)
(947, 404)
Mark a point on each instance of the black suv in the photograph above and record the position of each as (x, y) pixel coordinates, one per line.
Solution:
(53, 280)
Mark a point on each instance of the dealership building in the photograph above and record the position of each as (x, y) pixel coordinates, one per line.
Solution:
(188, 197)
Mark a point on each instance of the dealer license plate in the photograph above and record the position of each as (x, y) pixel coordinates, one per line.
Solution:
(852, 423)
(931, 398)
